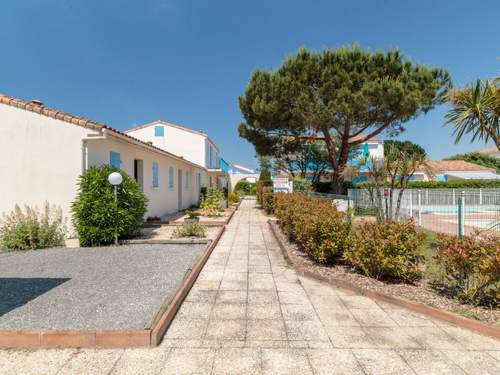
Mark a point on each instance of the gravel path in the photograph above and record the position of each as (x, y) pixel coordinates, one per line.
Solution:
(90, 288)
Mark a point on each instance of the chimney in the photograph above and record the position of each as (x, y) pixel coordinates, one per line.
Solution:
(37, 102)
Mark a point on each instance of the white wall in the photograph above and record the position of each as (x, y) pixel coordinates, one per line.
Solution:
(40, 159)
(162, 199)
(376, 149)
(176, 141)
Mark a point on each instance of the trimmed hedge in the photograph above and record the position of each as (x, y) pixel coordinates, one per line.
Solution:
(472, 267)
(315, 224)
(387, 250)
(452, 184)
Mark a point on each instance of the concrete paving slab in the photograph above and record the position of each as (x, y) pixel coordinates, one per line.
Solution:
(311, 328)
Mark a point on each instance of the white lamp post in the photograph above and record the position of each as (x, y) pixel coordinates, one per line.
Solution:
(115, 179)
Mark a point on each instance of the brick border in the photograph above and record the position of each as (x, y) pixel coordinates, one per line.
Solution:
(460, 321)
(152, 336)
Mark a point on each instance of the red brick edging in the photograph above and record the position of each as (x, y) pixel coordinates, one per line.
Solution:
(463, 322)
(111, 338)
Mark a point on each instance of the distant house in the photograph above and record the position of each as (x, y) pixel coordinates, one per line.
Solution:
(193, 145)
(45, 150)
(445, 170)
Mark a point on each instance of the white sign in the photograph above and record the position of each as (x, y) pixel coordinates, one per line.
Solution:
(282, 185)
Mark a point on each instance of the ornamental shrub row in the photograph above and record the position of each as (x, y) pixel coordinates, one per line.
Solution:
(383, 250)
(315, 224)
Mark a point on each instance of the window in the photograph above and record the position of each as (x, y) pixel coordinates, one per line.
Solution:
(159, 131)
(210, 156)
(372, 146)
(114, 159)
(186, 183)
(155, 175)
(198, 181)
(170, 177)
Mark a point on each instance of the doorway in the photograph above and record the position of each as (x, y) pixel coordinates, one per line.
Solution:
(179, 189)
(138, 172)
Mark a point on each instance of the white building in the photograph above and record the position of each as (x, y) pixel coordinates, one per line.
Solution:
(445, 170)
(192, 145)
(43, 151)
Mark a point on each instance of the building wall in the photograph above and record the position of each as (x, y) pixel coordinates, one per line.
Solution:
(163, 199)
(40, 159)
(189, 145)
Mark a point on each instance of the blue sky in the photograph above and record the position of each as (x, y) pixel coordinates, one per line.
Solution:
(126, 62)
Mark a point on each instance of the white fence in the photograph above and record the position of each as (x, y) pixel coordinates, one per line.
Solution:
(451, 211)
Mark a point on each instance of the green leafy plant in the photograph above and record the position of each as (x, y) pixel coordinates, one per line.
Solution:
(96, 217)
(472, 267)
(386, 250)
(475, 111)
(267, 199)
(211, 202)
(31, 228)
(243, 187)
(192, 213)
(233, 197)
(301, 185)
(189, 230)
(314, 223)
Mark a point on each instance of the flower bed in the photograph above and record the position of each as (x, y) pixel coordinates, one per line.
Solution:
(393, 257)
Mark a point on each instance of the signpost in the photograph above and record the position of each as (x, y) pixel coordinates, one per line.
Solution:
(282, 185)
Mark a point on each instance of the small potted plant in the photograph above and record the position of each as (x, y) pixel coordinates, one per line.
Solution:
(192, 216)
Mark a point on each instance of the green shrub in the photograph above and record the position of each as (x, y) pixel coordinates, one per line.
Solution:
(267, 199)
(387, 250)
(301, 185)
(191, 229)
(96, 217)
(211, 203)
(243, 187)
(315, 224)
(32, 229)
(192, 213)
(233, 197)
(265, 178)
(472, 267)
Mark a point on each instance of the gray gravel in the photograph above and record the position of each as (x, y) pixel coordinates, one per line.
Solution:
(90, 288)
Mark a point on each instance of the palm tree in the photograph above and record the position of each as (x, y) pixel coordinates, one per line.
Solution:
(475, 111)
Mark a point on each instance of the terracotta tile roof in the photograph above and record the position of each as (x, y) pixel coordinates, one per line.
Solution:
(456, 165)
(39, 108)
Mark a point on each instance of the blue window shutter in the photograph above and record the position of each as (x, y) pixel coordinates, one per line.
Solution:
(159, 131)
(171, 177)
(114, 159)
(155, 174)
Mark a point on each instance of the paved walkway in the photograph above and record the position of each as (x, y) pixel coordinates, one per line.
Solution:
(248, 313)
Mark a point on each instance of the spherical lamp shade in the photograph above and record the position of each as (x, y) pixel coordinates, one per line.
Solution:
(115, 178)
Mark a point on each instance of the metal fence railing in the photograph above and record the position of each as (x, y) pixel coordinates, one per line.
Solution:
(451, 211)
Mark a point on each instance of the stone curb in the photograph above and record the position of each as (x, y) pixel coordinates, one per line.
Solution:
(460, 321)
